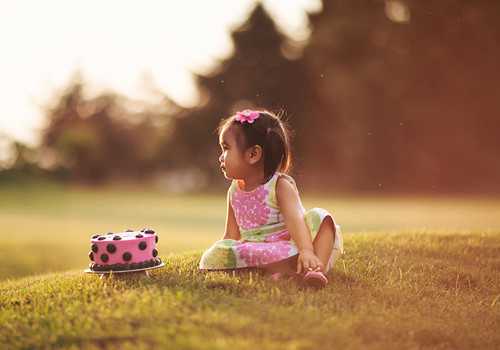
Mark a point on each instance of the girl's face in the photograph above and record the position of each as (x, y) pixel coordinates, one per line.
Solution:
(232, 159)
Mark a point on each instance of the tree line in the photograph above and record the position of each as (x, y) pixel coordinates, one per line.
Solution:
(395, 96)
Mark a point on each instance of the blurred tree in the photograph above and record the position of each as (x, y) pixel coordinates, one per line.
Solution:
(395, 95)
(258, 74)
(18, 161)
(98, 138)
(404, 95)
(25, 158)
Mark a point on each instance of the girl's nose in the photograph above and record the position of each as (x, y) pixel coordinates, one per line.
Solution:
(221, 158)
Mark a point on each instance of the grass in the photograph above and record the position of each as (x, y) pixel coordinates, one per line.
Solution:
(417, 273)
(399, 291)
(47, 229)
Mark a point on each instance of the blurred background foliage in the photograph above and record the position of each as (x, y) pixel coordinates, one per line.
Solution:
(394, 96)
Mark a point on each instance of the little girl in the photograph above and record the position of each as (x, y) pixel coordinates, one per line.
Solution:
(266, 225)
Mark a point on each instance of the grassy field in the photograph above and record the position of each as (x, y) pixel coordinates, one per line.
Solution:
(47, 229)
(417, 273)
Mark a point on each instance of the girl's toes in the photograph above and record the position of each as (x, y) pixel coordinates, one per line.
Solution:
(315, 279)
(276, 276)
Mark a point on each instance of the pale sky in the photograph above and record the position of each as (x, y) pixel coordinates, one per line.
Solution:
(114, 44)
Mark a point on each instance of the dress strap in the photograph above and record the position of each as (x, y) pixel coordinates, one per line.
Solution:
(288, 178)
(232, 189)
(273, 199)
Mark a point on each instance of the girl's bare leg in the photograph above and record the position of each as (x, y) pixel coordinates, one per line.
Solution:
(323, 247)
(323, 242)
(287, 266)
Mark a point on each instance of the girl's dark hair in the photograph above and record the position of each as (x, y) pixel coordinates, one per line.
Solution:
(268, 131)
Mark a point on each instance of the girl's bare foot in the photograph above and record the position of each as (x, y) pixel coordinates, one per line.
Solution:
(315, 279)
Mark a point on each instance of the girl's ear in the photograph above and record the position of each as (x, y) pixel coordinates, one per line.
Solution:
(254, 154)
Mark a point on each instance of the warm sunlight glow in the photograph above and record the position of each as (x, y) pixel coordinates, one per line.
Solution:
(117, 45)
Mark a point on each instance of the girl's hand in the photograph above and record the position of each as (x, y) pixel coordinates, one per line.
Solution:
(308, 261)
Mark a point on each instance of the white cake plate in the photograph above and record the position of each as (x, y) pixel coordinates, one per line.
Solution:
(105, 273)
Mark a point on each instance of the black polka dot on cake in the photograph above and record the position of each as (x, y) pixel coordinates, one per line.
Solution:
(127, 256)
(104, 257)
(101, 238)
(156, 239)
(138, 235)
(116, 238)
(95, 236)
(110, 233)
(155, 252)
(143, 245)
(149, 231)
(111, 248)
(94, 248)
(91, 256)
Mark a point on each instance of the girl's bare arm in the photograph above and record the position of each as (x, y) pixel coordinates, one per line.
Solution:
(291, 208)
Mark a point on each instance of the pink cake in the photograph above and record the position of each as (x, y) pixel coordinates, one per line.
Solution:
(129, 250)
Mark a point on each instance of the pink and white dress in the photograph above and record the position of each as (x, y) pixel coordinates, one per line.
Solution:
(264, 236)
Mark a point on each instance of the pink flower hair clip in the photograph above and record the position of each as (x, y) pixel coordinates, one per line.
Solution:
(247, 116)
